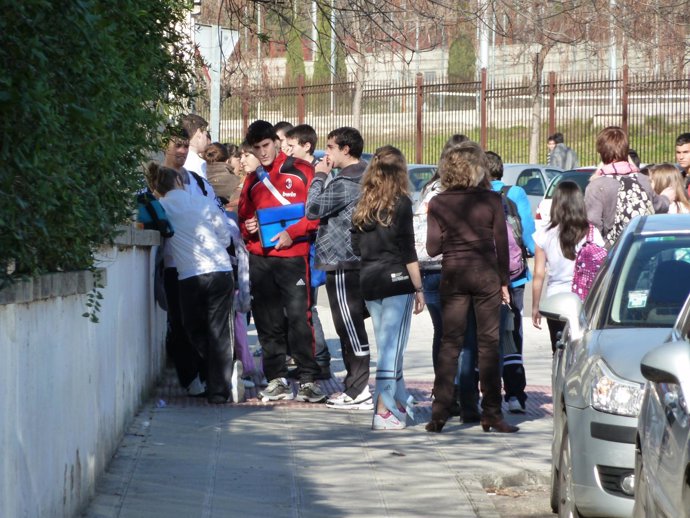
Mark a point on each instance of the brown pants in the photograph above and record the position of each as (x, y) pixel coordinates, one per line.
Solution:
(480, 286)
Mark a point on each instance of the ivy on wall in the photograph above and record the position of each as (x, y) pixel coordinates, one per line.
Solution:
(85, 87)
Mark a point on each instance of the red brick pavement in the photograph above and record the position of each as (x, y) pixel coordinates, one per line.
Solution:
(539, 402)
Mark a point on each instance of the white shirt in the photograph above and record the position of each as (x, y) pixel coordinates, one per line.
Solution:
(192, 187)
(560, 270)
(195, 163)
(201, 234)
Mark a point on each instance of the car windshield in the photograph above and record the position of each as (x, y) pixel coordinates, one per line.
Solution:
(654, 282)
(580, 178)
(551, 173)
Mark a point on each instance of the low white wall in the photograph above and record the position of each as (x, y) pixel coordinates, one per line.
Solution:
(69, 387)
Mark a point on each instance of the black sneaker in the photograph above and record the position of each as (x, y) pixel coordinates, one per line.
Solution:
(311, 393)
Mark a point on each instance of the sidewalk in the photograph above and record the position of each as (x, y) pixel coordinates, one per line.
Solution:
(184, 458)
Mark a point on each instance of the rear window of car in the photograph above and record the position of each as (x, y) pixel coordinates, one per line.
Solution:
(581, 179)
(653, 282)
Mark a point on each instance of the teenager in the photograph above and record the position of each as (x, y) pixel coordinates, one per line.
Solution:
(390, 279)
(333, 203)
(279, 268)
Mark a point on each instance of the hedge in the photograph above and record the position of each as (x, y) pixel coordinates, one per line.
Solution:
(85, 87)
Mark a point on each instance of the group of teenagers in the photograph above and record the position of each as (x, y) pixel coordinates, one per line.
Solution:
(383, 259)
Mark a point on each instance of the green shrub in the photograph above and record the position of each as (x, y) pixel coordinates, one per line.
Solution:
(85, 87)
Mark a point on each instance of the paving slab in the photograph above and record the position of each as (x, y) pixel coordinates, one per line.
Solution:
(182, 457)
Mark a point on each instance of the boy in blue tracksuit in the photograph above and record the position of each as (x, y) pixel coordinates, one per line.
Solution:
(513, 370)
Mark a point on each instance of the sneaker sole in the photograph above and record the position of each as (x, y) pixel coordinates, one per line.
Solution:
(280, 397)
(362, 405)
(310, 400)
(388, 427)
(237, 389)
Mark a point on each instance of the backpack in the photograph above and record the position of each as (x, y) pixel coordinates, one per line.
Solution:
(631, 201)
(151, 213)
(201, 182)
(587, 263)
(516, 247)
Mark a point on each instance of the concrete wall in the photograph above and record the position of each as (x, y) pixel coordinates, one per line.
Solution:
(69, 387)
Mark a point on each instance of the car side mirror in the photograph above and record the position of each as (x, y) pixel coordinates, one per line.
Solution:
(668, 363)
(566, 307)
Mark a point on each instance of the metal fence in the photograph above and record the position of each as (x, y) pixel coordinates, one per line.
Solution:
(419, 117)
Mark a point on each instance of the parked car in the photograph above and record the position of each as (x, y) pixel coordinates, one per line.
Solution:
(580, 176)
(533, 178)
(662, 457)
(597, 385)
(419, 175)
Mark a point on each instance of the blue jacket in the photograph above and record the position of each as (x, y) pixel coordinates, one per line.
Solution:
(519, 197)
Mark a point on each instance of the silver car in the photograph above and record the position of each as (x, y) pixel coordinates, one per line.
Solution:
(533, 178)
(597, 384)
(662, 460)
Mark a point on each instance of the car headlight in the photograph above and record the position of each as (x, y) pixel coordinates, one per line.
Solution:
(614, 395)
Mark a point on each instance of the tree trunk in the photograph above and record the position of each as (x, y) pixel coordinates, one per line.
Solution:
(359, 91)
(535, 87)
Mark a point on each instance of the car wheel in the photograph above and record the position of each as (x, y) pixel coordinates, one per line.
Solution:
(566, 498)
(555, 490)
(641, 501)
(686, 496)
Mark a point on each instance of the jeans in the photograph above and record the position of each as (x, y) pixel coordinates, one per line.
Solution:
(431, 279)
(391, 318)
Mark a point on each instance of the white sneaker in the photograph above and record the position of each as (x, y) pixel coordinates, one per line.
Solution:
(387, 421)
(514, 406)
(196, 388)
(237, 387)
(344, 402)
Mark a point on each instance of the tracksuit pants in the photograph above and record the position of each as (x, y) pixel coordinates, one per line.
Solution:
(281, 308)
(206, 304)
(185, 358)
(347, 308)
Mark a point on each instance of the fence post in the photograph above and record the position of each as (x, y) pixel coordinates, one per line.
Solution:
(419, 136)
(300, 99)
(552, 102)
(245, 106)
(624, 122)
(482, 114)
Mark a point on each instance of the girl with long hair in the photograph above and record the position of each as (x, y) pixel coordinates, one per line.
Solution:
(466, 223)
(390, 280)
(556, 247)
(668, 176)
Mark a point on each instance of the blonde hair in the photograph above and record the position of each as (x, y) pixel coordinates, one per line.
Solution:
(667, 175)
(463, 166)
(384, 182)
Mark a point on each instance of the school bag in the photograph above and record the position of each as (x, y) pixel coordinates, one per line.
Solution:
(152, 215)
(587, 263)
(517, 253)
(631, 200)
